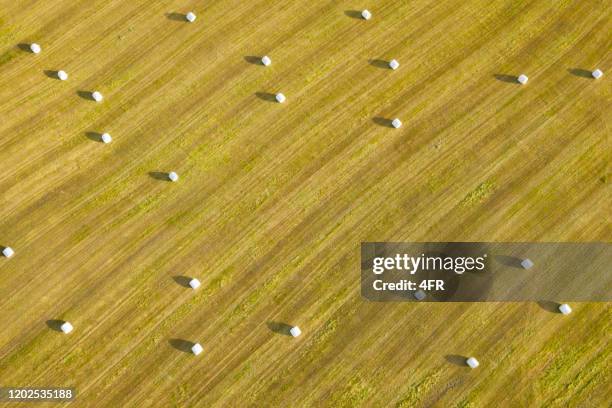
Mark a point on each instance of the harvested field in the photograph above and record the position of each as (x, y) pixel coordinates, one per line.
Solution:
(274, 199)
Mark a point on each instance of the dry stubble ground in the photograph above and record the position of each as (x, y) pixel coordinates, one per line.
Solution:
(274, 200)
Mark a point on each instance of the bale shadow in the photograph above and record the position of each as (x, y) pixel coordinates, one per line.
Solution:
(280, 328)
(159, 175)
(95, 136)
(51, 74)
(55, 324)
(549, 306)
(511, 261)
(353, 14)
(384, 122)
(512, 79)
(182, 345)
(24, 47)
(266, 96)
(456, 359)
(252, 59)
(378, 63)
(182, 280)
(176, 16)
(579, 72)
(87, 95)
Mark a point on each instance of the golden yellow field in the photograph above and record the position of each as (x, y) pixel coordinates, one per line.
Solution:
(274, 199)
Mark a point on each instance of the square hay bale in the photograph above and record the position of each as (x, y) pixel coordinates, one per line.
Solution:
(366, 14)
(66, 327)
(396, 123)
(393, 64)
(597, 74)
(196, 349)
(527, 263)
(8, 252)
(472, 362)
(523, 79)
(295, 331)
(97, 96)
(191, 17)
(280, 98)
(194, 283)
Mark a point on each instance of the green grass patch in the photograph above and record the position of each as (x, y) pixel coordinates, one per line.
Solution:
(481, 193)
(7, 56)
(418, 390)
(354, 394)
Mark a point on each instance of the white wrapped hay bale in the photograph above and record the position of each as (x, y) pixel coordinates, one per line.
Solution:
(196, 349)
(393, 64)
(97, 96)
(106, 138)
(597, 74)
(396, 123)
(62, 75)
(366, 14)
(194, 283)
(295, 331)
(565, 309)
(265, 60)
(35, 48)
(66, 327)
(173, 176)
(527, 263)
(472, 362)
(191, 17)
(280, 98)
(523, 79)
(8, 252)
(419, 294)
